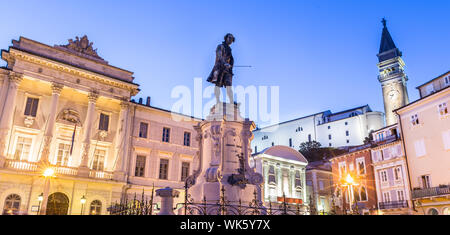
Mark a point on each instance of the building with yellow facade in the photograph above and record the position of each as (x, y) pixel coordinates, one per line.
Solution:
(66, 109)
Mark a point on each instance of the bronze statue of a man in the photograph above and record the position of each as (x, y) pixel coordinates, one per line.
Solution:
(222, 73)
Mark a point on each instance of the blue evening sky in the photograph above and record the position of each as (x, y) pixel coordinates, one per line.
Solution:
(322, 54)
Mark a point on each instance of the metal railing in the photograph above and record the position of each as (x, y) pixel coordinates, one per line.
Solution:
(430, 192)
(393, 205)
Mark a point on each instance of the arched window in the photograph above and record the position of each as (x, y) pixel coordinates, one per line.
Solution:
(363, 194)
(446, 211)
(96, 207)
(433, 211)
(12, 205)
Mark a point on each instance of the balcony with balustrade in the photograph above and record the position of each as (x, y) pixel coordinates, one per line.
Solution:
(442, 190)
(393, 205)
(33, 167)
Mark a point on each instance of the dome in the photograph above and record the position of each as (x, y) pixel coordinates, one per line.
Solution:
(284, 152)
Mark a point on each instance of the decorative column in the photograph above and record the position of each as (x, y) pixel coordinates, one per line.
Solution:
(279, 175)
(266, 180)
(167, 194)
(121, 143)
(83, 169)
(7, 112)
(48, 134)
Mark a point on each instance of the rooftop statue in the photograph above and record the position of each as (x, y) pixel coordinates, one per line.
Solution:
(82, 46)
(222, 73)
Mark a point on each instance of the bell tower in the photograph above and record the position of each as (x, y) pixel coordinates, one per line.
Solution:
(391, 76)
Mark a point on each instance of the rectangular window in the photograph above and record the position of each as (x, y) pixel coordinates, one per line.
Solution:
(256, 149)
(23, 147)
(329, 137)
(414, 120)
(140, 166)
(31, 107)
(347, 133)
(271, 175)
(342, 169)
(400, 195)
(425, 180)
(309, 138)
(184, 170)
(387, 196)
(298, 181)
(290, 142)
(104, 122)
(143, 130)
(163, 168)
(443, 111)
(99, 160)
(397, 173)
(361, 166)
(419, 146)
(187, 139)
(62, 158)
(321, 185)
(383, 176)
(447, 80)
(166, 135)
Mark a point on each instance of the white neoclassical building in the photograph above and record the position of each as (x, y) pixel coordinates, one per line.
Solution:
(283, 169)
(66, 108)
(346, 128)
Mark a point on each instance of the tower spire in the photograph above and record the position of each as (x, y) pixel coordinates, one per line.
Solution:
(388, 50)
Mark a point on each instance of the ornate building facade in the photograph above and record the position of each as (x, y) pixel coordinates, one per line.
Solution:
(283, 170)
(65, 108)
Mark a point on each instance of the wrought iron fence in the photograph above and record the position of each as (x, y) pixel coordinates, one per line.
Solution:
(226, 207)
(134, 205)
(144, 205)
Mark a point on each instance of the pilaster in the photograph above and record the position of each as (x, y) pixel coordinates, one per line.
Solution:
(8, 111)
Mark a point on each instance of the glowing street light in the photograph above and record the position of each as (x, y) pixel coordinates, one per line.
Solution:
(48, 173)
(349, 182)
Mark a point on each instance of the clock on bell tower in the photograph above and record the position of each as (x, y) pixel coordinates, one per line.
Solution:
(392, 76)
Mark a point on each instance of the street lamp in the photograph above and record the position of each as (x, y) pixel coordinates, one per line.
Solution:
(40, 198)
(48, 173)
(349, 182)
(83, 201)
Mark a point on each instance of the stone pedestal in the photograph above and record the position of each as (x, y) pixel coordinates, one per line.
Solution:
(167, 194)
(224, 151)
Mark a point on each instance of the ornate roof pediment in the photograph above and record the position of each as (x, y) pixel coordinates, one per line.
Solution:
(82, 46)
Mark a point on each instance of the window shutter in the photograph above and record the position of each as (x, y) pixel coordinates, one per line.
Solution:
(420, 148)
(446, 139)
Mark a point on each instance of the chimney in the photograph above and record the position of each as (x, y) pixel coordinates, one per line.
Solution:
(140, 100)
(148, 101)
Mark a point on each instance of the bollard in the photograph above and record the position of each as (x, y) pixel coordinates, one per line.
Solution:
(167, 194)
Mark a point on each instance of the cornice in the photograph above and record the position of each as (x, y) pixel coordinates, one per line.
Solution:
(133, 88)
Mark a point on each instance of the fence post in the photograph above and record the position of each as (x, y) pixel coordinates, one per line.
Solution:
(167, 194)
